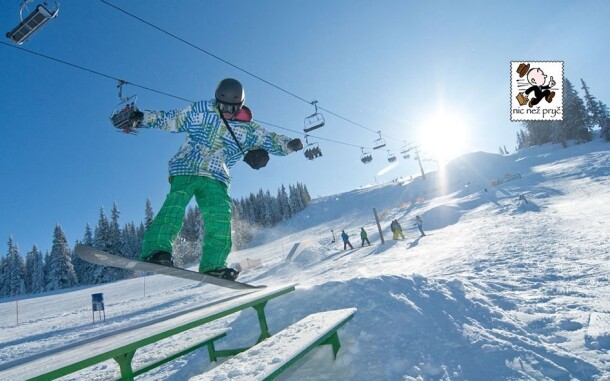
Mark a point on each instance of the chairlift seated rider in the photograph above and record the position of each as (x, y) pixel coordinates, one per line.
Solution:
(313, 153)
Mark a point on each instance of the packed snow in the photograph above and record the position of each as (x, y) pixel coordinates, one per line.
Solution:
(500, 288)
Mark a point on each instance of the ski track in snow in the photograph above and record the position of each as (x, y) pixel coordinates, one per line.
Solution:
(499, 290)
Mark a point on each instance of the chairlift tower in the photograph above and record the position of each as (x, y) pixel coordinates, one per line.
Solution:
(418, 158)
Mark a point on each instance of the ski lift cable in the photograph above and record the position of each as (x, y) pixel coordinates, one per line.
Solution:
(309, 135)
(147, 88)
(94, 72)
(204, 51)
(234, 65)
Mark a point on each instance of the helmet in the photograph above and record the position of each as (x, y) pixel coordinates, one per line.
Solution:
(230, 96)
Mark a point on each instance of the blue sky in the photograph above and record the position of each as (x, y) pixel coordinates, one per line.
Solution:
(386, 65)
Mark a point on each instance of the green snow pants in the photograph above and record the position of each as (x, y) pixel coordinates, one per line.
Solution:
(212, 197)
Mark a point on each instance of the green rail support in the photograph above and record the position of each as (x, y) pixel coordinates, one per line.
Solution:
(122, 346)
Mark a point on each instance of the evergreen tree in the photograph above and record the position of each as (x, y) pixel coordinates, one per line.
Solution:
(84, 269)
(15, 282)
(61, 272)
(538, 132)
(116, 242)
(131, 245)
(102, 240)
(149, 215)
(4, 276)
(34, 271)
(283, 203)
(576, 123)
(296, 202)
(305, 197)
(604, 120)
(46, 266)
(521, 140)
(192, 227)
(592, 105)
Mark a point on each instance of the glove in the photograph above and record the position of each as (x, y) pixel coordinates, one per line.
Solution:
(295, 145)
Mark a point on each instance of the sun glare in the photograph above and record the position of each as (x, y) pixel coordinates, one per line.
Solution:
(443, 137)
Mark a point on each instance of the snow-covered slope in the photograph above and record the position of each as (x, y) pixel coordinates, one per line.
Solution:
(499, 289)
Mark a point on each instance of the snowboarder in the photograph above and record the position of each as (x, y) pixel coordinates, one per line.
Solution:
(333, 233)
(346, 242)
(364, 237)
(396, 230)
(420, 223)
(217, 133)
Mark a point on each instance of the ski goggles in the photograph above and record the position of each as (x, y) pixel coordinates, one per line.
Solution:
(229, 108)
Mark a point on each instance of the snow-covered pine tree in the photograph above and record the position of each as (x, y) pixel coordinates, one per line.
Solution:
(116, 240)
(592, 106)
(3, 276)
(604, 120)
(102, 240)
(576, 123)
(61, 272)
(149, 214)
(84, 270)
(522, 140)
(131, 245)
(15, 282)
(34, 271)
(284, 203)
(192, 225)
(270, 211)
(296, 202)
(304, 194)
(538, 132)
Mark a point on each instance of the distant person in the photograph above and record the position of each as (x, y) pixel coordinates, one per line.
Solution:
(346, 242)
(333, 233)
(420, 225)
(364, 237)
(396, 230)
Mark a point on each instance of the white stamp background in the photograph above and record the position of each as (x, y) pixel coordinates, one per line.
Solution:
(543, 111)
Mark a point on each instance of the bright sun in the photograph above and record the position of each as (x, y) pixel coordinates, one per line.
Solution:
(443, 136)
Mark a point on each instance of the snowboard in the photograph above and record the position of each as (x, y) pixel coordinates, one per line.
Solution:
(99, 257)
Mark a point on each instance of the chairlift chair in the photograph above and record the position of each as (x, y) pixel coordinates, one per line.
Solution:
(391, 157)
(379, 143)
(312, 150)
(366, 157)
(122, 113)
(315, 120)
(33, 22)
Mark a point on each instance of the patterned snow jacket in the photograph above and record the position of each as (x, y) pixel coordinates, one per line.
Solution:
(209, 149)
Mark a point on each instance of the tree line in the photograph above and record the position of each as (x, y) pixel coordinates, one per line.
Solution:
(60, 268)
(580, 117)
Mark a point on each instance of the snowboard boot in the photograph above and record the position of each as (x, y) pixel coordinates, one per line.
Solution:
(161, 258)
(223, 273)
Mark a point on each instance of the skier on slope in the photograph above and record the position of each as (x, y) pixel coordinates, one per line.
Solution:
(396, 230)
(420, 225)
(218, 133)
(346, 241)
(364, 237)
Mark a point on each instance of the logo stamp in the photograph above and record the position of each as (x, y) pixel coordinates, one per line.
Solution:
(536, 90)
